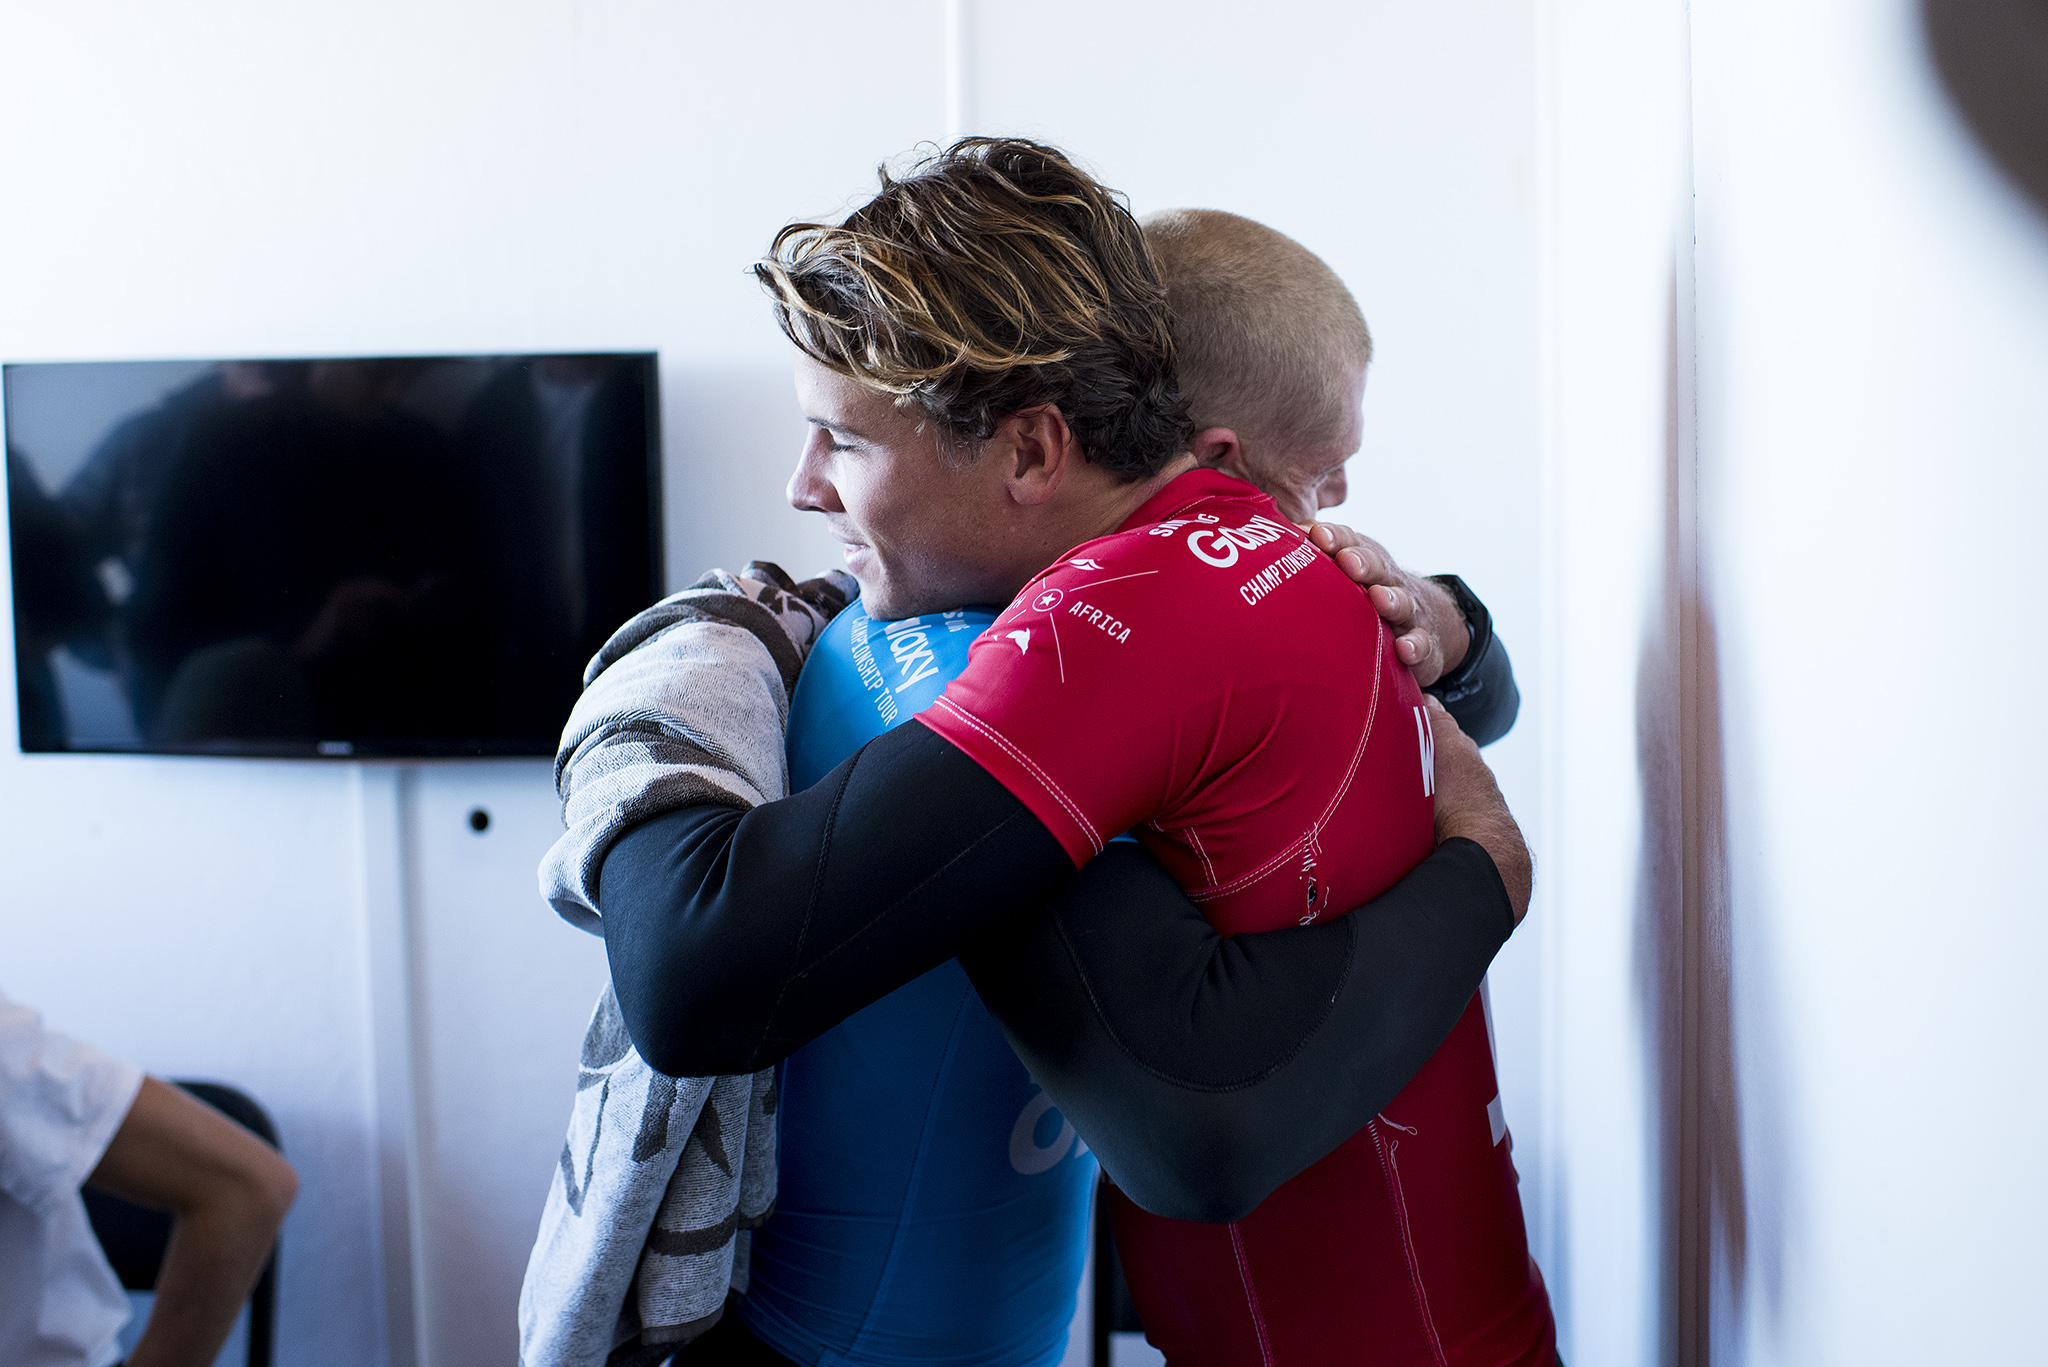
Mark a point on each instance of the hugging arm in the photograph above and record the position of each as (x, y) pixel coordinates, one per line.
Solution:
(741, 923)
(1205, 1071)
(736, 937)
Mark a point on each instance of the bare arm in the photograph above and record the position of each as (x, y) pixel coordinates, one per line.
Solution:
(1469, 804)
(227, 1192)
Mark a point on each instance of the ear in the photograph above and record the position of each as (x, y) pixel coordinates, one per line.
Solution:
(1219, 449)
(1038, 452)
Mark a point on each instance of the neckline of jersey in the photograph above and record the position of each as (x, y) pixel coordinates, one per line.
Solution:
(1189, 488)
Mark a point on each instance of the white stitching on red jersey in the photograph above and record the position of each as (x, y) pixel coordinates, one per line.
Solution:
(1044, 779)
(1208, 869)
(1372, 710)
(1393, 1175)
(1098, 583)
(1251, 1296)
(1243, 881)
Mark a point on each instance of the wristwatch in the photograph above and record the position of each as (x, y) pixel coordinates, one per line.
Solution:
(1465, 680)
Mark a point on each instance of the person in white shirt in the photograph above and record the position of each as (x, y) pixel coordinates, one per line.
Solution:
(70, 1116)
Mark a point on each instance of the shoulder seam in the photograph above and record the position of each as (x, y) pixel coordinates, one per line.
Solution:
(1243, 881)
(1073, 809)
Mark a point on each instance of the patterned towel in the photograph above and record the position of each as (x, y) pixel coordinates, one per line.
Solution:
(647, 1221)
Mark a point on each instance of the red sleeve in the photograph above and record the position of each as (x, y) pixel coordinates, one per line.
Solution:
(1085, 699)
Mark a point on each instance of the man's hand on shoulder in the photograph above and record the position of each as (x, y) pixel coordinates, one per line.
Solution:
(1430, 635)
(1469, 804)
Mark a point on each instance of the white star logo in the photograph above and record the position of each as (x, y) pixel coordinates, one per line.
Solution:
(1023, 640)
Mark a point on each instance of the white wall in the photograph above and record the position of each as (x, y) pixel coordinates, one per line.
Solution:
(1609, 849)
(239, 179)
(1793, 571)
(1873, 314)
(235, 179)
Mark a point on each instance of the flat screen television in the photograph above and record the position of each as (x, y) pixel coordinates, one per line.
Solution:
(384, 557)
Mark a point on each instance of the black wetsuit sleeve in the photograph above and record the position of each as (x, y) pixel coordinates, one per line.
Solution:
(1480, 694)
(736, 937)
(1206, 1071)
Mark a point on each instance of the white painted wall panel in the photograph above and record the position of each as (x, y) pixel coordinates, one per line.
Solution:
(1608, 863)
(241, 179)
(504, 989)
(1874, 333)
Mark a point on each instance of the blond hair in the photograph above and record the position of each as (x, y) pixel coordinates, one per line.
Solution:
(990, 278)
(1268, 337)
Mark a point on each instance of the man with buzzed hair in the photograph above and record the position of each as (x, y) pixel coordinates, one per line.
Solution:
(1272, 350)
(1272, 354)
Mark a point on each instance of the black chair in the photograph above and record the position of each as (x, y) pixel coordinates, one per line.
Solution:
(134, 1237)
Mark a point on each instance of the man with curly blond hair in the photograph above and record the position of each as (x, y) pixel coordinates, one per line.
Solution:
(986, 358)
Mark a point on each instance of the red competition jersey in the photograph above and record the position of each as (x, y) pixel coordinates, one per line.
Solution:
(1206, 679)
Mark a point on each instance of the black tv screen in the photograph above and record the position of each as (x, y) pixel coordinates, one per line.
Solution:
(391, 557)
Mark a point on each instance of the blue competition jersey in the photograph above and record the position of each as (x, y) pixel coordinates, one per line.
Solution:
(933, 1204)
